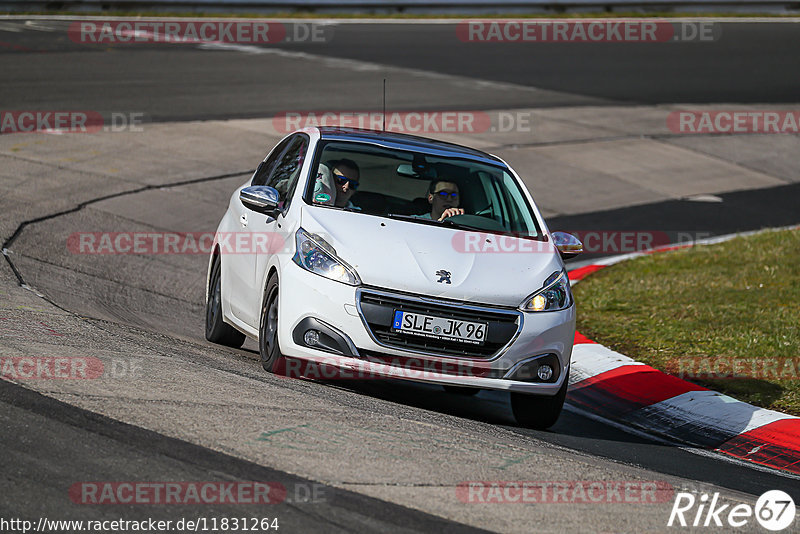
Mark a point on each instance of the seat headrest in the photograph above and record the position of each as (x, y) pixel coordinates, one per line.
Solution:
(324, 190)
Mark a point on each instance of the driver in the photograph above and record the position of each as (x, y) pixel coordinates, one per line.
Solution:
(443, 198)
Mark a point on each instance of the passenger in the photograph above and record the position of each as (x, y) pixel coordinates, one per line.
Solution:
(443, 197)
(337, 188)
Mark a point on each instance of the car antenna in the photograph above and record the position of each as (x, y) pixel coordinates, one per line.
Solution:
(384, 104)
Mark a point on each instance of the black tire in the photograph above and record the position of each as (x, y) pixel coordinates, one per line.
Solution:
(217, 331)
(268, 347)
(536, 411)
(461, 390)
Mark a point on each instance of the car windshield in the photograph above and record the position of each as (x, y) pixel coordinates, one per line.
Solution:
(417, 186)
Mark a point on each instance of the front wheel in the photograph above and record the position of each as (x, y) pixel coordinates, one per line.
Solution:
(217, 331)
(536, 411)
(268, 347)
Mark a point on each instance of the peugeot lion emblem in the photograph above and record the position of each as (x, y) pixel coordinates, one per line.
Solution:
(444, 276)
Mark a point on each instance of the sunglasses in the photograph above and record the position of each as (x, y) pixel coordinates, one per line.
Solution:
(445, 194)
(341, 180)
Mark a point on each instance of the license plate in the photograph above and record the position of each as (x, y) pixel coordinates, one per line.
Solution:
(439, 327)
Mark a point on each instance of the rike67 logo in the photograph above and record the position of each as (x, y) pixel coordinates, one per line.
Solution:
(774, 510)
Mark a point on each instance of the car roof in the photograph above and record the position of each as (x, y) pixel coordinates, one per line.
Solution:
(405, 141)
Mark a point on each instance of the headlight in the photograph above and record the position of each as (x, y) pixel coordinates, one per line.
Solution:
(316, 255)
(555, 295)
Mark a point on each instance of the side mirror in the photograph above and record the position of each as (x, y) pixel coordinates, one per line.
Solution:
(568, 245)
(261, 198)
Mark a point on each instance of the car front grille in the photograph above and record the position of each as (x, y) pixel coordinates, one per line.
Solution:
(377, 310)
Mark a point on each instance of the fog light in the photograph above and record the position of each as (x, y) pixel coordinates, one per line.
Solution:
(545, 372)
(311, 337)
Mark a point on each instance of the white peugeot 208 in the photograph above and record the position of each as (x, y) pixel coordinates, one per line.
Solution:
(388, 255)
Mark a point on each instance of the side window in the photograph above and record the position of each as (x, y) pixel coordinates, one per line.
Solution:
(265, 168)
(287, 171)
(521, 218)
(496, 203)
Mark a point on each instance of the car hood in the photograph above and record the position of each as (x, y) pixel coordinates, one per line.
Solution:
(408, 256)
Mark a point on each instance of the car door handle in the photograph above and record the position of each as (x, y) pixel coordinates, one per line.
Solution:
(243, 219)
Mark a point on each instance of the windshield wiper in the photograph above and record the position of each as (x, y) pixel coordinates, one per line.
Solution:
(342, 208)
(454, 224)
(403, 217)
(447, 222)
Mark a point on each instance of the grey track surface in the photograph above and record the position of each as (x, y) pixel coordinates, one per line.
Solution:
(43, 469)
(401, 449)
(749, 63)
(648, 73)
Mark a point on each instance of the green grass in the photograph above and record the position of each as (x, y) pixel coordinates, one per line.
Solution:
(707, 313)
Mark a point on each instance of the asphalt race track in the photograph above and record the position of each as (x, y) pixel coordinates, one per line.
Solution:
(380, 456)
(749, 63)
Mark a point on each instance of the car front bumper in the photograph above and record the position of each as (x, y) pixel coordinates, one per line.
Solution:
(307, 299)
